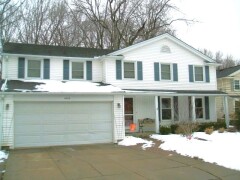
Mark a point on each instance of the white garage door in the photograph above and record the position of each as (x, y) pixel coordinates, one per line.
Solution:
(61, 123)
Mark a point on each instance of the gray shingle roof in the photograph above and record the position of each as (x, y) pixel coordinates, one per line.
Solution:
(47, 50)
(226, 72)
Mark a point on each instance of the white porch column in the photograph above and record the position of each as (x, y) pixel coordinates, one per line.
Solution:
(156, 115)
(226, 112)
(193, 108)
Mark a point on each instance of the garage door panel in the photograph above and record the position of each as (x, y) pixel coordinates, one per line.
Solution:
(59, 123)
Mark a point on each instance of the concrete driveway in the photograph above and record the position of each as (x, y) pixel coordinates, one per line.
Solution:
(108, 161)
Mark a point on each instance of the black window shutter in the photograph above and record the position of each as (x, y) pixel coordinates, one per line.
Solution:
(207, 75)
(89, 70)
(65, 69)
(21, 67)
(118, 69)
(206, 107)
(175, 72)
(46, 69)
(190, 70)
(156, 71)
(175, 108)
(139, 70)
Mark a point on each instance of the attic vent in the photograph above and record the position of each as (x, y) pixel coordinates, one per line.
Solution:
(165, 49)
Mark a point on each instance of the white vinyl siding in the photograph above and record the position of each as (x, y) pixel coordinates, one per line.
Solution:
(8, 120)
(119, 126)
(150, 54)
(10, 68)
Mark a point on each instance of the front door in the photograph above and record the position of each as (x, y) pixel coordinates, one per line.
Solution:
(128, 112)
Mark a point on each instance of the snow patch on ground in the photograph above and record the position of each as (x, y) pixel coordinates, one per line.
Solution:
(132, 141)
(3, 156)
(220, 148)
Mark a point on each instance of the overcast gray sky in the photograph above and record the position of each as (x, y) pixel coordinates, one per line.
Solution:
(218, 27)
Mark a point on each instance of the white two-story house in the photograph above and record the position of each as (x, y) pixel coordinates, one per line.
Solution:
(52, 95)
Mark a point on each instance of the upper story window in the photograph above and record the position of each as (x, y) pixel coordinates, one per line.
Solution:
(129, 70)
(77, 70)
(236, 85)
(198, 73)
(34, 68)
(166, 72)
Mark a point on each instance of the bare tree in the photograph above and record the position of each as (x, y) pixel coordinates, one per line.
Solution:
(121, 23)
(8, 18)
(226, 62)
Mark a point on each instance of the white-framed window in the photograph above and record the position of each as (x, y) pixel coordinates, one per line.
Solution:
(236, 85)
(129, 70)
(166, 108)
(77, 70)
(34, 68)
(236, 105)
(199, 107)
(198, 73)
(166, 71)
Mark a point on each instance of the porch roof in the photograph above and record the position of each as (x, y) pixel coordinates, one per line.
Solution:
(176, 92)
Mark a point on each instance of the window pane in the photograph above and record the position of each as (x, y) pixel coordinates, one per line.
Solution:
(166, 114)
(199, 113)
(198, 74)
(129, 70)
(198, 102)
(237, 106)
(128, 105)
(77, 70)
(128, 120)
(199, 108)
(166, 103)
(34, 68)
(165, 71)
(236, 84)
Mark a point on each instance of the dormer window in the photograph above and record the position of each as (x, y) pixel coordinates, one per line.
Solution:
(165, 49)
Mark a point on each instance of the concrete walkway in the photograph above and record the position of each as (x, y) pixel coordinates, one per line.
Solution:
(108, 161)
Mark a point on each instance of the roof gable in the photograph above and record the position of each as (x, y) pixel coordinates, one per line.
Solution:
(47, 50)
(159, 38)
(228, 71)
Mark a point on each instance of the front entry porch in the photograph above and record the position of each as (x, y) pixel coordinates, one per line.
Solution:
(164, 109)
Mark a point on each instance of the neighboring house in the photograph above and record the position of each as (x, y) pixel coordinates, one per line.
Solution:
(228, 80)
(55, 95)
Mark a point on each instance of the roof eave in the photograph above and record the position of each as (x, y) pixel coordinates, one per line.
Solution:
(47, 56)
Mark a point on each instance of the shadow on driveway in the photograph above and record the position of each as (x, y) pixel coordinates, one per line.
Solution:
(108, 161)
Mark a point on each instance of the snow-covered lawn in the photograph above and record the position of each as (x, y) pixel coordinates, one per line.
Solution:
(220, 148)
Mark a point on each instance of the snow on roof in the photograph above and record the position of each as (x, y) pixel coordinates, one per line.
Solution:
(70, 86)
